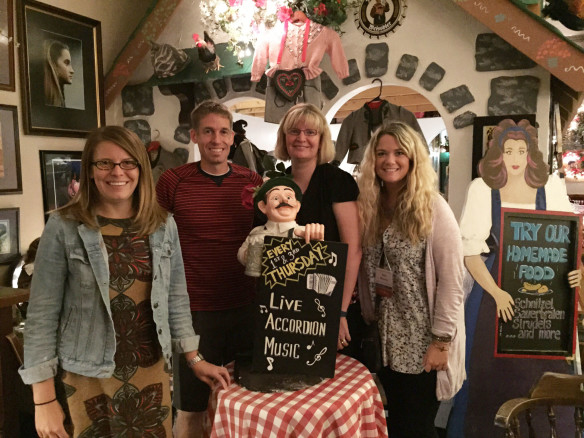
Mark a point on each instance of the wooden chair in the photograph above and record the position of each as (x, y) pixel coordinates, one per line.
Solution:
(552, 389)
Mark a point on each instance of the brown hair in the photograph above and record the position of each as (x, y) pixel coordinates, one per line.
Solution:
(149, 215)
(492, 168)
(210, 107)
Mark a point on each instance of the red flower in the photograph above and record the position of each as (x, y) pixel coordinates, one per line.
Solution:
(247, 196)
(321, 9)
(234, 3)
(284, 13)
(260, 3)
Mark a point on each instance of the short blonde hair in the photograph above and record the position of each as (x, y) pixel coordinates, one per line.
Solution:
(311, 115)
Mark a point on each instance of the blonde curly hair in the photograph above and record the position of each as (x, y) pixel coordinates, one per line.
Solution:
(413, 212)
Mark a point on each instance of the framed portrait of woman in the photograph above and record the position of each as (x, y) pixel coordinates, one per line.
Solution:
(61, 71)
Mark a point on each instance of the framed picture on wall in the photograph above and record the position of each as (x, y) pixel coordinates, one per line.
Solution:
(61, 68)
(10, 176)
(6, 46)
(60, 178)
(9, 234)
(482, 134)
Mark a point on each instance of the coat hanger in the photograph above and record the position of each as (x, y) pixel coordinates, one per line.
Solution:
(376, 101)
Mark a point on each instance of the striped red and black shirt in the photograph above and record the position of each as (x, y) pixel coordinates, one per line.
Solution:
(212, 224)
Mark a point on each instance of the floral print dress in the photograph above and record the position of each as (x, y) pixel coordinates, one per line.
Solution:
(404, 318)
(135, 401)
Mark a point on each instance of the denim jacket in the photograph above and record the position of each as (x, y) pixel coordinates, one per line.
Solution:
(69, 320)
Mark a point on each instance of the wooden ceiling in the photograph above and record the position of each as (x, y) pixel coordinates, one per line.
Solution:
(402, 96)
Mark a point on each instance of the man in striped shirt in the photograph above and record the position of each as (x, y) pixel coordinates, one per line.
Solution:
(206, 198)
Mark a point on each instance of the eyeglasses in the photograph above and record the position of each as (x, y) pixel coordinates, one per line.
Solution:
(110, 165)
(308, 132)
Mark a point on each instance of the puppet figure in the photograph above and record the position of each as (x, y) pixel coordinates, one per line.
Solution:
(279, 199)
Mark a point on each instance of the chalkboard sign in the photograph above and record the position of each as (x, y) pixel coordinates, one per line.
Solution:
(537, 251)
(299, 304)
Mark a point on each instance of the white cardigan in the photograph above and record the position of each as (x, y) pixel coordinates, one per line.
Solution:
(444, 277)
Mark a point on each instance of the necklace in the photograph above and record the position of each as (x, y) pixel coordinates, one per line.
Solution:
(293, 46)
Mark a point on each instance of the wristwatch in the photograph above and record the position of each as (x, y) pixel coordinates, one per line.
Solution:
(198, 358)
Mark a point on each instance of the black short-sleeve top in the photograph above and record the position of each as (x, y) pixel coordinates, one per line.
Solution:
(328, 185)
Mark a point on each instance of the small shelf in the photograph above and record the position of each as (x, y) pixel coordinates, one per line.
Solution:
(195, 72)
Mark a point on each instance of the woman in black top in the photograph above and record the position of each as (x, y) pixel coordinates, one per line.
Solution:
(329, 194)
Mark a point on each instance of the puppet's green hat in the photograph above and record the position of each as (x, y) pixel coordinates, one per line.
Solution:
(287, 181)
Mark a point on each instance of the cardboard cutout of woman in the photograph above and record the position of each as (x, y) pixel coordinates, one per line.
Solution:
(513, 174)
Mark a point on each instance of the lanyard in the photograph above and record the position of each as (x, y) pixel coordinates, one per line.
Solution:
(304, 43)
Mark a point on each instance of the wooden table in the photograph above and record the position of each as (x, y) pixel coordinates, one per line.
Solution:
(348, 405)
(9, 377)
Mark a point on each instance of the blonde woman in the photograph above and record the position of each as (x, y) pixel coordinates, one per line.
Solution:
(412, 269)
(329, 197)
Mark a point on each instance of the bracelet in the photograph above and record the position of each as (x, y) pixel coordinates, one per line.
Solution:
(442, 348)
(195, 360)
(343, 313)
(46, 403)
(445, 339)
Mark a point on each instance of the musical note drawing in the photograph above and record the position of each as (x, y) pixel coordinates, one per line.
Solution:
(270, 362)
(263, 309)
(317, 357)
(320, 307)
(308, 347)
(333, 259)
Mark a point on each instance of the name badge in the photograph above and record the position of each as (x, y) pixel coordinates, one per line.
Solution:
(383, 277)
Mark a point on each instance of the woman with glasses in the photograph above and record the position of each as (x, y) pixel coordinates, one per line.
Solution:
(329, 196)
(108, 301)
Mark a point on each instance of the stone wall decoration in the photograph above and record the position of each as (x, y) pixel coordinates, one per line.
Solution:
(182, 134)
(377, 18)
(137, 100)
(432, 76)
(241, 83)
(464, 119)
(141, 128)
(329, 89)
(354, 74)
(456, 98)
(513, 95)
(220, 87)
(201, 91)
(494, 53)
(376, 60)
(407, 67)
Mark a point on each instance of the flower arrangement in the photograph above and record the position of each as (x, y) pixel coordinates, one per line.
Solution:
(243, 20)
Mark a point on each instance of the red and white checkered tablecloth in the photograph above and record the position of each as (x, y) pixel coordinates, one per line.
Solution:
(347, 405)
